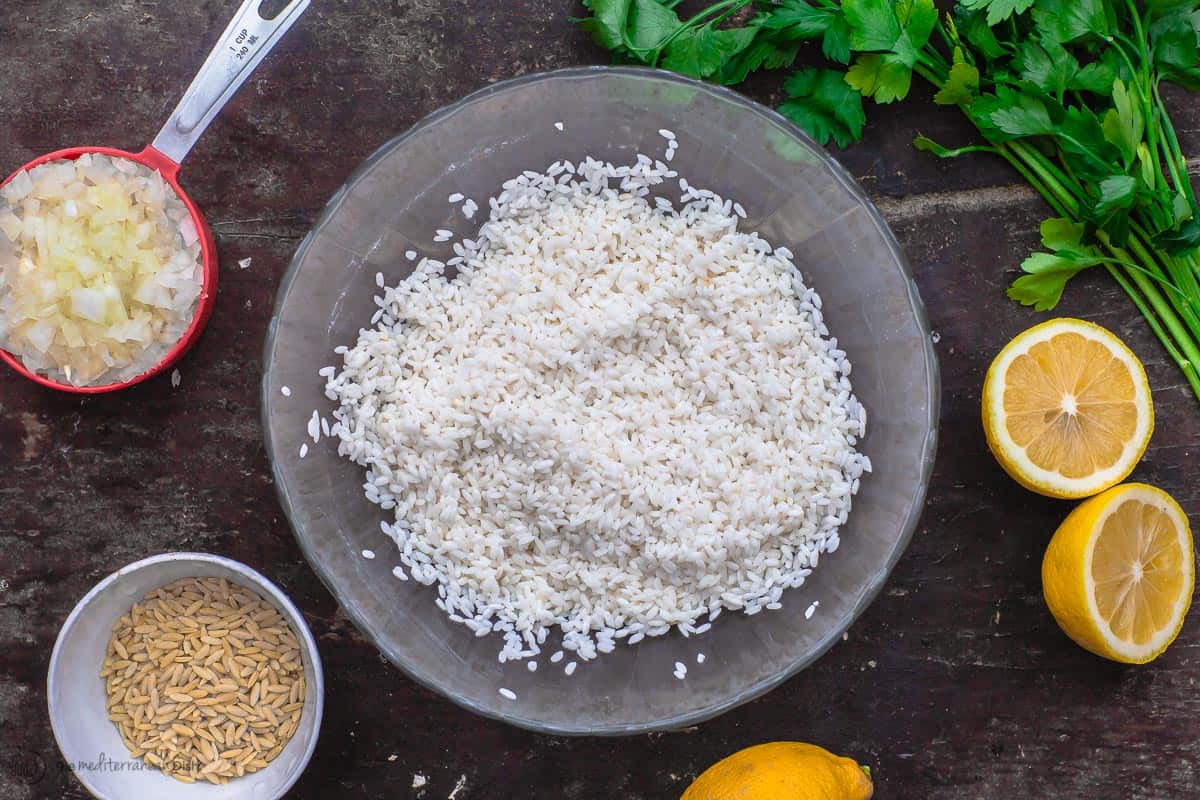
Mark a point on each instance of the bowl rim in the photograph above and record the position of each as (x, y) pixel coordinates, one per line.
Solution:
(868, 592)
(260, 582)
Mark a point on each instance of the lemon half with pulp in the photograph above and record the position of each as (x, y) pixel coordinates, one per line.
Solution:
(1067, 409)
(1119, 573)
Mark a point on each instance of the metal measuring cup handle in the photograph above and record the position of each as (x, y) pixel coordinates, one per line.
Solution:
(245, 43)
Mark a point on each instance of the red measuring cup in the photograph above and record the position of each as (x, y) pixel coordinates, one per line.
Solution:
(242, 47)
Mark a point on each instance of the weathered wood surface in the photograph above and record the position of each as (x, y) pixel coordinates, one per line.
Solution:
(956, 683)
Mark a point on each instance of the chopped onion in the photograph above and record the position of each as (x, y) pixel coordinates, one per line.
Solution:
(100, 269)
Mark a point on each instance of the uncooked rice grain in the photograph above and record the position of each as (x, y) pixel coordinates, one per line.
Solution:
(615, 418)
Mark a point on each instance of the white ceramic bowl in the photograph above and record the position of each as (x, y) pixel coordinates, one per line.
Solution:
(90, 742)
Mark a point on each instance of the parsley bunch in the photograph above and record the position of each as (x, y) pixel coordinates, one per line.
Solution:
(1066, 91)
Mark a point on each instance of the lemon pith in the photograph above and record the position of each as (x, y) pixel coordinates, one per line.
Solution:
(1118, 574)
(1066, 409)
(782, 771)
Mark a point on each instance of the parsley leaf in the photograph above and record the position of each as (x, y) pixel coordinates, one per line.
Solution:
(1096, 77)
(607, 23)
(1061, 234)
(1067, 20)
(629, 26)
(1047, 273)
(873, 24)
(1175, 46)
(835, 45)
(1047, 65)
(1181, 239)
(975, 27)
(1110, 211)
(1117, 193)
(1123, 124)
(998, 10)
(961, 86)
(884, 77)
(763, 53)
(701, 52)
(1047, 276)
(823, 104)
(797, 19)
(648, 24)
(1085, 149)
(918, 18)
(1024, 116)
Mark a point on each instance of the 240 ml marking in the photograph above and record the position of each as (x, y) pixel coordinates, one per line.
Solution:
(242, 44)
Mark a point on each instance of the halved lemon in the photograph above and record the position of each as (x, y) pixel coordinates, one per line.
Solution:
(1118, 574)
(1067, 409)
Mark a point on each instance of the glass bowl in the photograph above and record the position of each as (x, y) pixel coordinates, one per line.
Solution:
(794, 194)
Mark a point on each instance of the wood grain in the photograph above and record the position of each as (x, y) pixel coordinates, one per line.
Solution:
(956, 683)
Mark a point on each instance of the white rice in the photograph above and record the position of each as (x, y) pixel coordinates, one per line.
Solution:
(368, 554)
(285, 391)
(618, 417)
(509, 693)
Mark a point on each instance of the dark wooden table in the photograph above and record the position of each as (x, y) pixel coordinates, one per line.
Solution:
(955, 684)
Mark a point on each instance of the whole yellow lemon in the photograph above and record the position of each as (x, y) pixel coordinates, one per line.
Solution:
(783, 771)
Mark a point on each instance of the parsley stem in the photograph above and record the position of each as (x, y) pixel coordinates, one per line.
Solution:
(950, 43)
(1185, 339)
(1183, 277)
(1175, 160)
(1045, 170)
(1188, 367)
